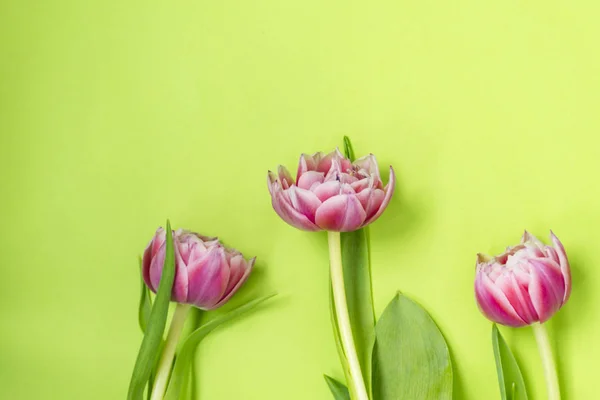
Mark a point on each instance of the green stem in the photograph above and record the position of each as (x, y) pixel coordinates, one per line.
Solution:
(541, 336)
(166, 359)
(343, 318)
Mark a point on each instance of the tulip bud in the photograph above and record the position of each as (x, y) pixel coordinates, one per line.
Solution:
(330, 192)
(207, 274)
(526, 284)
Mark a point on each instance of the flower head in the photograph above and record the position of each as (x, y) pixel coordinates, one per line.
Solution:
(526, 284)
(330, 192)
(207, 274)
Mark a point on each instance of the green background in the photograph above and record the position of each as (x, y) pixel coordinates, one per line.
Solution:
(117, 115)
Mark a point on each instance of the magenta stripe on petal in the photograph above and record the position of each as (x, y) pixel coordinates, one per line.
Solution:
(285, 210)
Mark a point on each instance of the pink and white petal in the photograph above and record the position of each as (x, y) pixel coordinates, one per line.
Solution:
(304, 201)
(146, 261)
(324, 164)
(493, 302)
(342, 213)
(249, 266)
(327, 190)
(208, 278)
(360, 185)
(283, 208)
(374, 198)
(285, 177)
(529, 238)
(389, 191)
(309, 178)
(546, 288)
(369, 164)
(237, 267)
(564, 264)
(179, 290)
(518, 297)
(272, 182)
(308, 163)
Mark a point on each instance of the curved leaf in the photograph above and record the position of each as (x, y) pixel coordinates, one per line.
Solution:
(146, 358)
(185, 355)
(410, 358)
(510, 379)
(339, 391)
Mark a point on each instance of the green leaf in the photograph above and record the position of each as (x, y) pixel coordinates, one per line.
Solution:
(148, 354)
(185, 355)
(339, 391)
(145, 306)
(410, 358)
(512, 384)
(359, 294)
(348, 150)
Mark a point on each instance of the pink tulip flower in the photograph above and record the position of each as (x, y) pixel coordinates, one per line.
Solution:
(330, 192)
(207, 274)
(526, 284)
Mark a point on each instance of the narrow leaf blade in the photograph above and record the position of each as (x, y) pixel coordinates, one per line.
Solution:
(148, 353)
(359, 296)
(182, 362)
(410, 359)
(338, 389)
(510, 379)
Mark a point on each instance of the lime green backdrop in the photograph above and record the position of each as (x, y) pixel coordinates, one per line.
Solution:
(116, 115)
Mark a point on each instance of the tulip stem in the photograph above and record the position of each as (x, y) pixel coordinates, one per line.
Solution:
(541, 336)
(166, 359)
(343, 317)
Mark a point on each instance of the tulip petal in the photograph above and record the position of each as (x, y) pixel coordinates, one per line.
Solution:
(309, 178)
(179, 291)
(230, 292)
(518, 297)
(389, 191)
(327, 190)
(146, 261)
(304, 201)
(368, 164)
(493, 303)
(342, 213)
(564, 264)
(284, 177)
(547, 288)
(308, 163)
(208, 278)
(283, 207)
(529, 238)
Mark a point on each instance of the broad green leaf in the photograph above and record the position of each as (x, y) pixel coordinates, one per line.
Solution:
(512, 384)
(410, 358)
(185, 355)
(339, 391)
(145, 306)
(149, 353)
